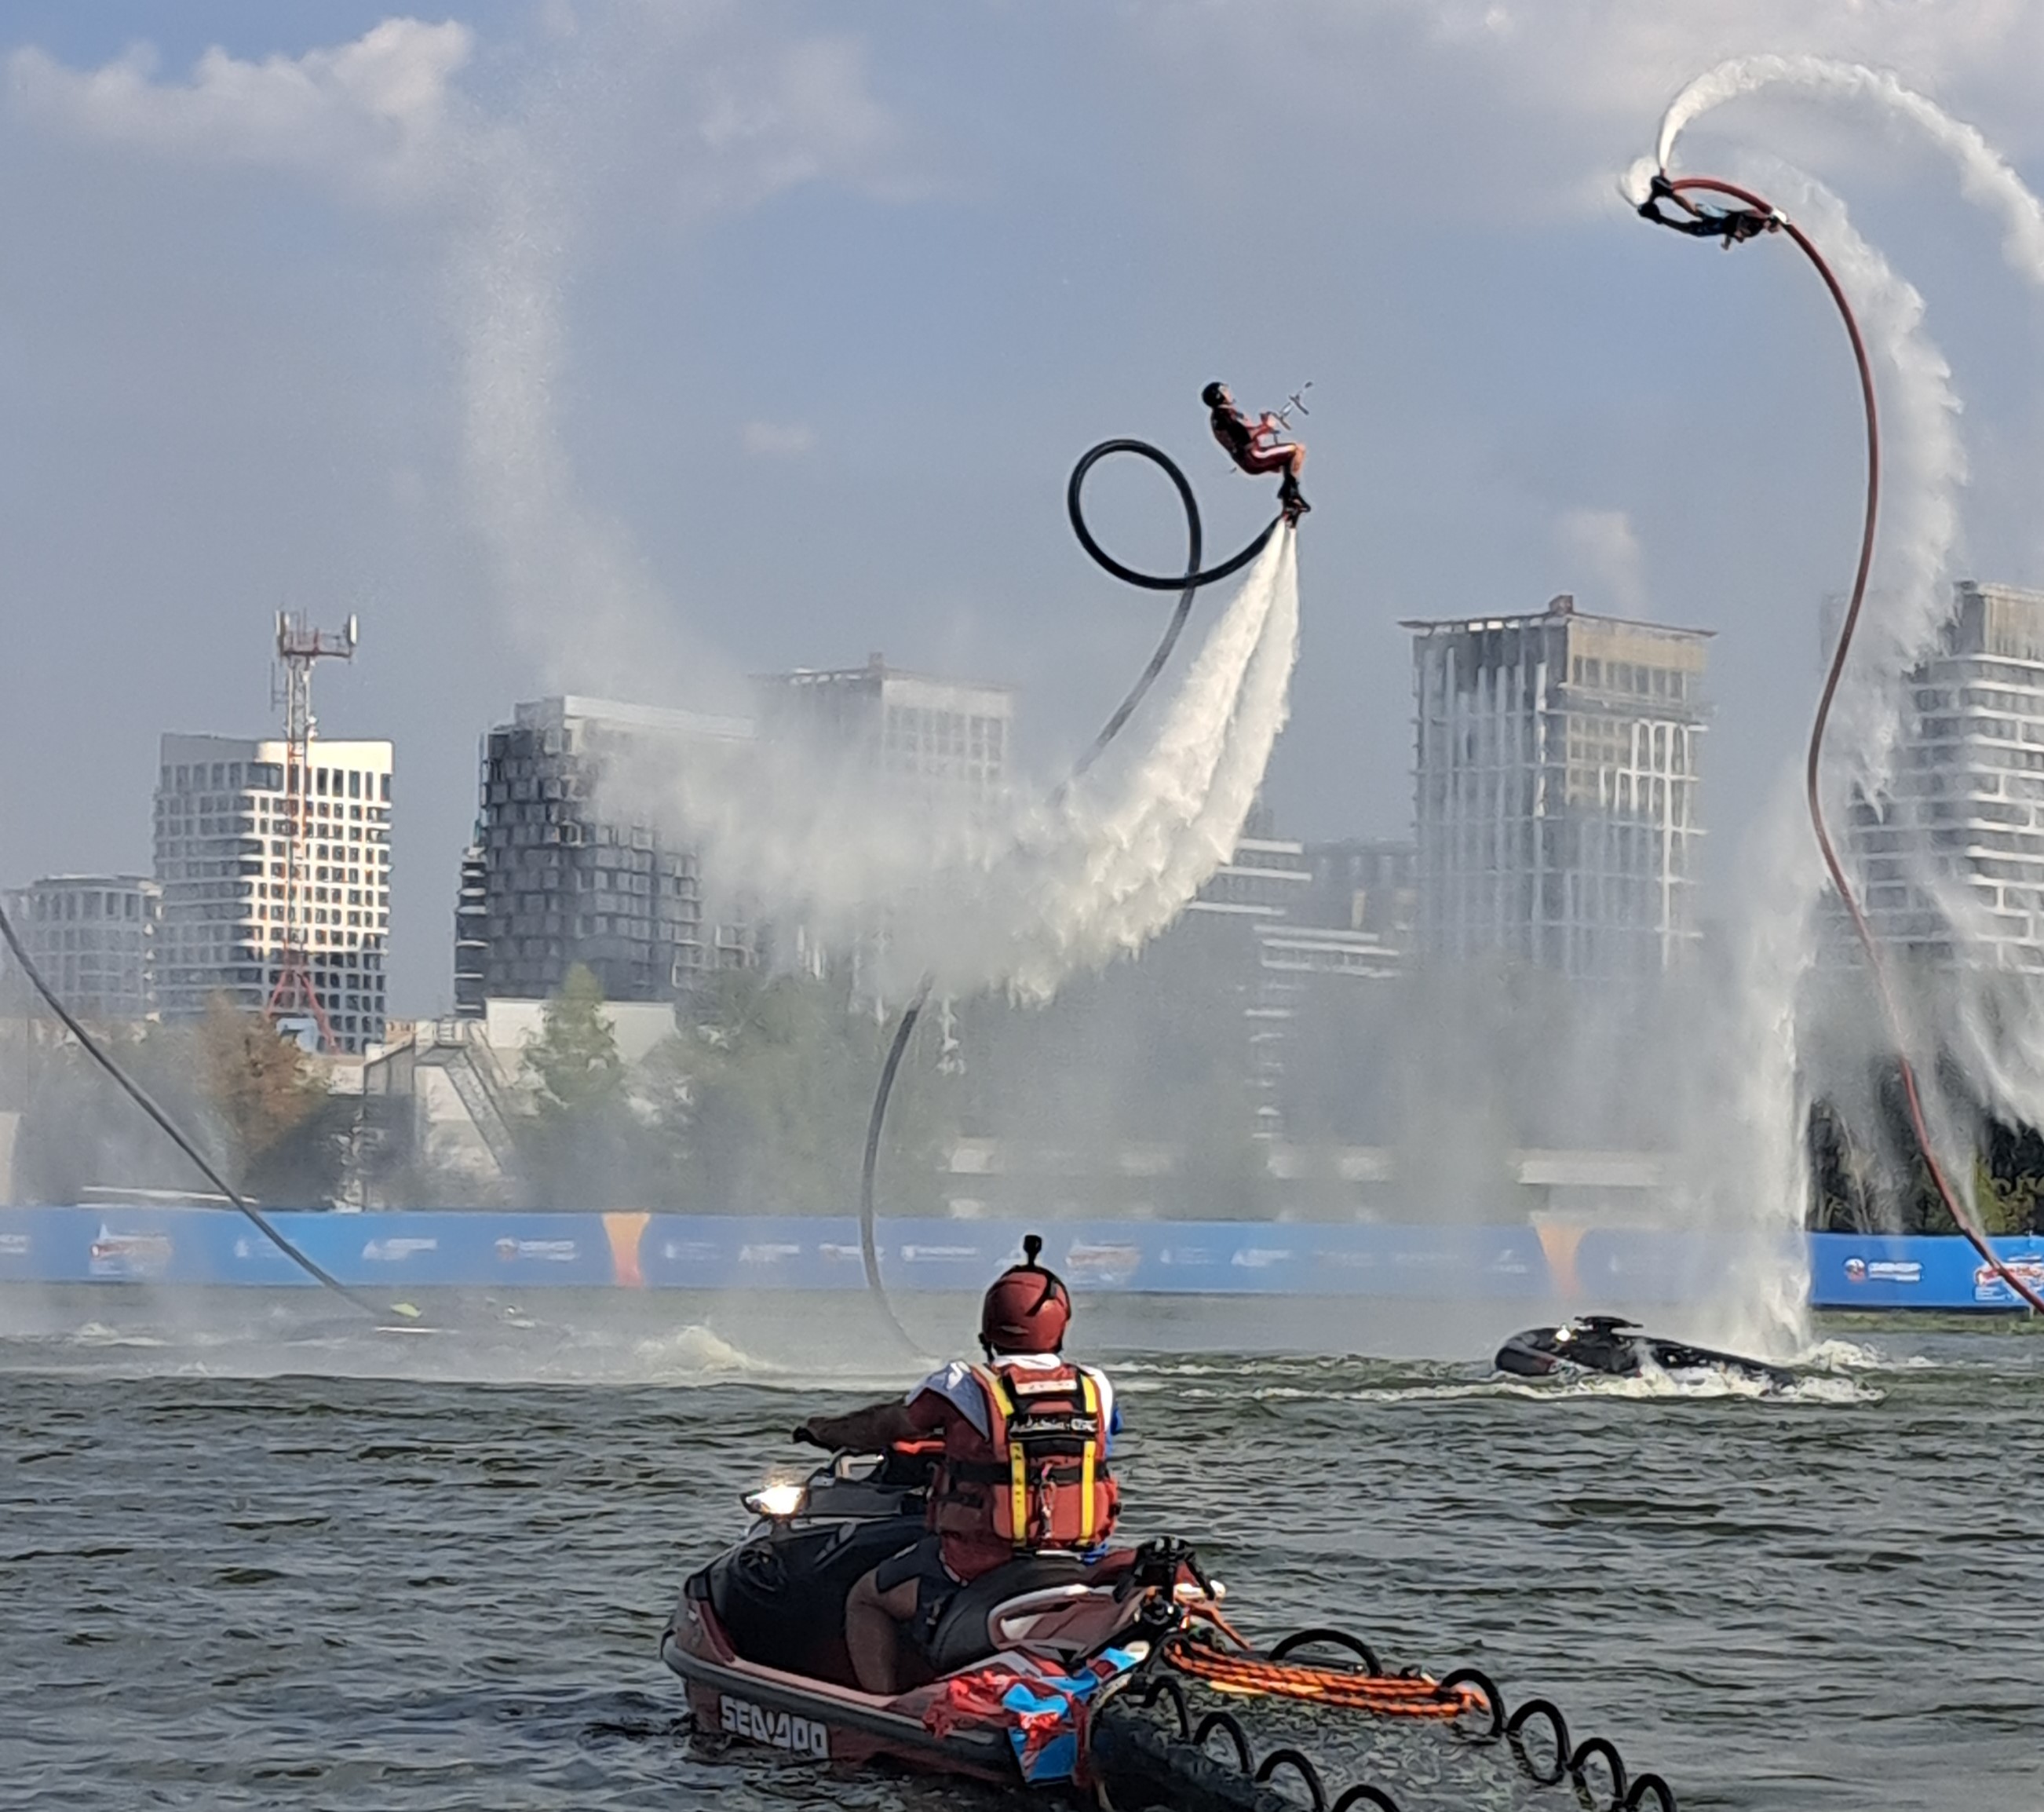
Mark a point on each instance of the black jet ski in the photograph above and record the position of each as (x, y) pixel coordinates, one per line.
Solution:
(758, 1635)
(1612, 1347)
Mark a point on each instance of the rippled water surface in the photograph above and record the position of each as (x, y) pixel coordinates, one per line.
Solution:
(387, 1571)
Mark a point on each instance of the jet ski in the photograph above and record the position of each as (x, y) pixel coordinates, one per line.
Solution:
(1612, 1347)
(757, 1635)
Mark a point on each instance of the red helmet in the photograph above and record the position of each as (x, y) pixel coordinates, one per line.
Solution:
(1027, 1308)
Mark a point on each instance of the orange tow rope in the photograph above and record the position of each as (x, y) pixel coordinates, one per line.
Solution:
(1388, 1695)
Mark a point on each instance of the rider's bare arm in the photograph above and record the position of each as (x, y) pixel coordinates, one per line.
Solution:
(872, 1429)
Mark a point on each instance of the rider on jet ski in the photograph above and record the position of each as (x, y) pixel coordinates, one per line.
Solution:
(1024, 1472)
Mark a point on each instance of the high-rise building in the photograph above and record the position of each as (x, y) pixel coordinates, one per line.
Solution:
(943, 734)
(1363, 884)
(1556, 789)
(1964, 817)
(93, 938)
(567, 869)
(223, 834)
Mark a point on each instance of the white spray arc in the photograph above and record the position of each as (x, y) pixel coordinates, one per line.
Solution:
(1111, 862)
(1753, 1185)
(1989, 1020)
(1021, 896)
(1986, 176)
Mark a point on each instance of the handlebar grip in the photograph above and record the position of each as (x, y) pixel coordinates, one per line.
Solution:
(801, 1438)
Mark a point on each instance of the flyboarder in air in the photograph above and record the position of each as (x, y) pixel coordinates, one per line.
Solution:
(1261, 449)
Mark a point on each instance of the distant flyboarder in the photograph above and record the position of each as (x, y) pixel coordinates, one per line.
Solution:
(1258, 449)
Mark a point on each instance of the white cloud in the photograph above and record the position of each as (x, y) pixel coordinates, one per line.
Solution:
(377, 116)
(1603, 544)
(778, 440)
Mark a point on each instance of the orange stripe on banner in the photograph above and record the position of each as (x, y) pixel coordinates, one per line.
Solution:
(624, 1232)
(1558, 1240)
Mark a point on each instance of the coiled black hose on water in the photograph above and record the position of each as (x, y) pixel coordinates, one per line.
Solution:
(1176, 1765)
(1187, 585)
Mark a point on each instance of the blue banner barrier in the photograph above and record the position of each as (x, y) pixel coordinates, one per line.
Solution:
(501, 1249)
(1858, 1270)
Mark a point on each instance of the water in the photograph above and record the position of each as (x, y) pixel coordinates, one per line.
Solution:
(433, 1587)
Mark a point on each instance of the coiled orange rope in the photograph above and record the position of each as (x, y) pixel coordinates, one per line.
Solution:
(1387, 1695)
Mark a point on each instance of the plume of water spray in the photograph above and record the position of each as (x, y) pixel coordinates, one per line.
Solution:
(1021, 896)
(1986, 176)
(1120, 854)
(1754, 1187)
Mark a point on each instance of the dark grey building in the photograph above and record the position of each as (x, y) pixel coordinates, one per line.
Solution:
(93, 938)
(566, 870)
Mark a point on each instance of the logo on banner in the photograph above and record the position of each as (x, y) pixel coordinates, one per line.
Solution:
(1988, 1287)
(1261, 1258)
(768, 1252)
(1885, 1270)
(397, 1250)
(544, 1252)
(13, 1245)
(779, 1729)
(127, 1255)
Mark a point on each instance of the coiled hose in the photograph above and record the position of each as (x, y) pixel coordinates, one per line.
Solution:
(1187, 585)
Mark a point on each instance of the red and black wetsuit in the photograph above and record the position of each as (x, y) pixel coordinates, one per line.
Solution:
(1232, 429)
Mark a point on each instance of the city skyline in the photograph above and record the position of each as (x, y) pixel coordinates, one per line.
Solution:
(796, 391)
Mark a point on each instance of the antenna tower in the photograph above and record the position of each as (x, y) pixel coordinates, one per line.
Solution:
(298, 647)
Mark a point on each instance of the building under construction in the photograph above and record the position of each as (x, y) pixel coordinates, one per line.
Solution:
(1556, 790)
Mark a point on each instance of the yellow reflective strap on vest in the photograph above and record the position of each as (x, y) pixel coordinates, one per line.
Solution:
(1090, 1456)
(1011, 1451)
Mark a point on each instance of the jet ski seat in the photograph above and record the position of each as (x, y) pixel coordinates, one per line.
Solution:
(965, 1634)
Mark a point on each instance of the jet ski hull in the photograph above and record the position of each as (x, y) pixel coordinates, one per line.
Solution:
(1605, 1346)
(818, 1720)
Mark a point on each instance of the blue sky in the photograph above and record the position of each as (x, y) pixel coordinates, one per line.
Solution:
(634, 348)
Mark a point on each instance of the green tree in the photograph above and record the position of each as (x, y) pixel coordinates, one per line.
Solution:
(782, 1071)
(578, 1141)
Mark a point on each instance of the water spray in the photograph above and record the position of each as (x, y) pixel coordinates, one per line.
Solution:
(1187, 585)
(1668, 202)
(143, 1100)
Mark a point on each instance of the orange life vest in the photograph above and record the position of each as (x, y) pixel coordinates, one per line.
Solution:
(1040, 1479)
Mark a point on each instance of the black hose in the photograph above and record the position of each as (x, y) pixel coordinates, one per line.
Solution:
(1187, 585)
(1541, 1708)
(1365, 1796)
(142, 1100)
(1191, 579)
(1303, 1768)
(1163, 1684)
(1651, 1783)
(1483, 1684)
(1338, 1638)
(1225, 1721)
(1604, 1747)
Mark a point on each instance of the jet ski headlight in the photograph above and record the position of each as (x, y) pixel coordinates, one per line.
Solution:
(778, 1502)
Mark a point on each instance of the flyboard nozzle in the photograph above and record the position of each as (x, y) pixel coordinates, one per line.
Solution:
(1032, 1245)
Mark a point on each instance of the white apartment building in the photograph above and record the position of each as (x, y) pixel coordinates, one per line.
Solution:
(223, 830)
(1964, 815)
(1555, 789)
(953, 735)
(92, 937)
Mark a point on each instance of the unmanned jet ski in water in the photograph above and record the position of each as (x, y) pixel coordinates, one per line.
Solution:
(1611, 1346)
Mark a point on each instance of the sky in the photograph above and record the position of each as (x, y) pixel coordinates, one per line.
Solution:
(632, 349)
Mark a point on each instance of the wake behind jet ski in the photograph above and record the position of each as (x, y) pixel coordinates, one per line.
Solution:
(1610, 1346)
